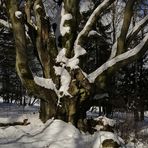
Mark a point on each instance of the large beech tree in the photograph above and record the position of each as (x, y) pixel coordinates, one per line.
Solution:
(65, 89)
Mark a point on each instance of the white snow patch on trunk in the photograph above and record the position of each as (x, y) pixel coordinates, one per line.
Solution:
(38, 7)
(61, 56)
(18, 14)
(65, 80)
(64, 17)
(72, 62)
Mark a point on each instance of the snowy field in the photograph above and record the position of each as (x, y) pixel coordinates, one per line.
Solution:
(52, 134)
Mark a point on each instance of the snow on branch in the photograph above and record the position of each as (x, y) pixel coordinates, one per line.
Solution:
(130, 35)
(5, 23)
(137, 28)
(87, 31)
(49, 84)
(46, 83)
(92, 20)
(62, 24)
(122, 57)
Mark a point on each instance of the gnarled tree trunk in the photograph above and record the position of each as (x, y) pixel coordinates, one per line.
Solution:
(65, 90)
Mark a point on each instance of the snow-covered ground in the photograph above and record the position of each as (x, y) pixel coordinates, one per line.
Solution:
(52, 134)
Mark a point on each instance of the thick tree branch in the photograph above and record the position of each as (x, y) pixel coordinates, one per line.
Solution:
(128, 13)
(72, 8)
(28, 7)
(92, 20)
(42, 38)
(66, 25)
(120, 60)
(22, 67)
(131, 35)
